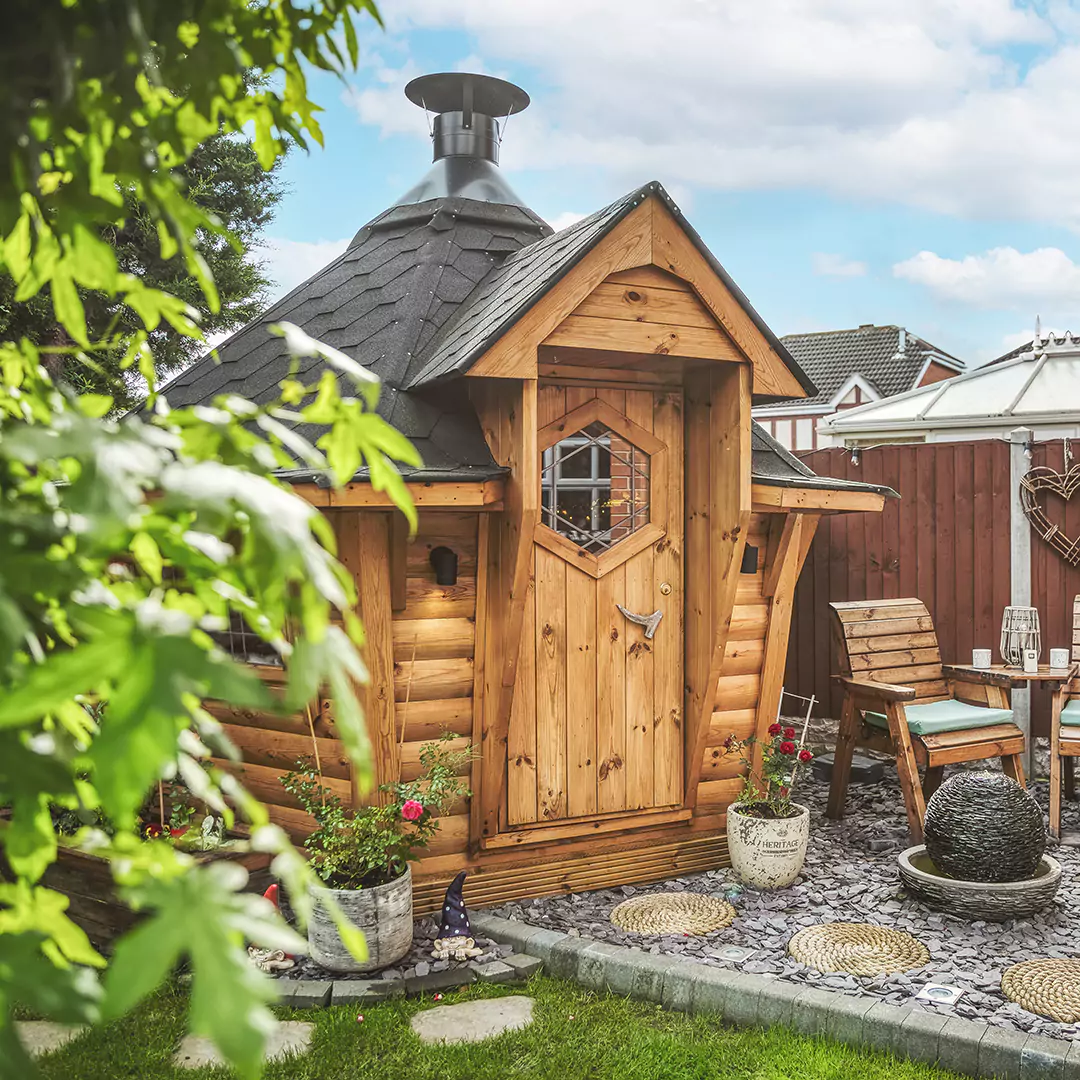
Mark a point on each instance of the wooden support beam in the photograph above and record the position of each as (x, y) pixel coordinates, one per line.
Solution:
(726, 489)
(476, 494)
(364, 545)
(399, 538)
(783, 531)
(768, 498)
(776, 638)
(507, 411)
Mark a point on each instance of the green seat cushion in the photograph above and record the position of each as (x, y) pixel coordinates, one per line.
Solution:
(937, 716)
(1070, 715)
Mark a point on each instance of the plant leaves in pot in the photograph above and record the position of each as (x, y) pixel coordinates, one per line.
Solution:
(362, 855)
(767, 832)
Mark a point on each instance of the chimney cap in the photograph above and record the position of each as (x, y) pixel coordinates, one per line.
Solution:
(448, 92)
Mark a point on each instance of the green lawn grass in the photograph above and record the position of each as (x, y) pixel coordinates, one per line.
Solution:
(575, 1034)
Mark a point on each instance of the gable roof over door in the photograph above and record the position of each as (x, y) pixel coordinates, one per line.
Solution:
(531, 273)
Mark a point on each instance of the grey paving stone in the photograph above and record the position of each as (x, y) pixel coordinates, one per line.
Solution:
(360, 991)
(1043, 1058)
(1072, 1062)
(496, 972)
(775, 1001)
(921, 1034)
(882, 1027)
(731, 994)
(636, 974)
(440, 980)
(41, 1037)
(592, 962)
(543, 941)
(291, 1037)
(846, 1018)
(810, 1011)
(678, 984)
(526, 966)
(473, 1021)
(999, 1053)
(304, 993)
(564, 956)
(958, 1045)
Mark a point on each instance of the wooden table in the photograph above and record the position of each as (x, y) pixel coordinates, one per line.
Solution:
(1016, 678)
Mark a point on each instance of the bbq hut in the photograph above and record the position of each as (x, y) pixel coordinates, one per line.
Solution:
(600, 590)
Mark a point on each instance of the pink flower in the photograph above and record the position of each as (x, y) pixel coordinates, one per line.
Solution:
(787, 747)
(805, 756)
(775, 729)
(412, 810)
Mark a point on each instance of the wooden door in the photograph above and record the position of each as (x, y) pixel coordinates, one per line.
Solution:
(596, 727)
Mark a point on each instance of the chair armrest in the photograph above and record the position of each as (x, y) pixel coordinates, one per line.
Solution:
(978, 678)
(881, 691)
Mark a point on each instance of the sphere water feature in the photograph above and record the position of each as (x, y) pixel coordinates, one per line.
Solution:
(982, 826)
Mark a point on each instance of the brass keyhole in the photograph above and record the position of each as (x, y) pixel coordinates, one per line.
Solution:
(665, 589)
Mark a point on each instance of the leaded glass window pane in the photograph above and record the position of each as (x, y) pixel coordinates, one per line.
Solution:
(595, 488)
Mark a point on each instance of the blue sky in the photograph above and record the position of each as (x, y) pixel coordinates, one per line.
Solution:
(849, 161)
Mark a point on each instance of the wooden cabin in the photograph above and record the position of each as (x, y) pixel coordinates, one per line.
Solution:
(625, 543)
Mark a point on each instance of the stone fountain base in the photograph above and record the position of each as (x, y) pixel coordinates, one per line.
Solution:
(993, 901)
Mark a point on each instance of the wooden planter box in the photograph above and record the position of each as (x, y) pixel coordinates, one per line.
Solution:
(87, 883)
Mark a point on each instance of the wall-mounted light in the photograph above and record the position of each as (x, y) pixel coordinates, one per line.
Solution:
(444, 563)
(749, 560)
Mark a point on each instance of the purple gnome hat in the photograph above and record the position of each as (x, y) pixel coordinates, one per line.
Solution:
(455, 919)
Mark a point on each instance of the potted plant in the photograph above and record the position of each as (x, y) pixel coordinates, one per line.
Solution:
(362, 855)
(767, 832)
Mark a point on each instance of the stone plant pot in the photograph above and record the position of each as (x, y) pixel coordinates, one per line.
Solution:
(383, 913)
(767, 853)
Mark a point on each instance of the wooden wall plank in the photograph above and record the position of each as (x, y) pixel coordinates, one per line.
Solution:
(611, 726)
(550, 685)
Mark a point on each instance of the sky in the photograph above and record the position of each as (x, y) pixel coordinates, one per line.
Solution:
(914, 162)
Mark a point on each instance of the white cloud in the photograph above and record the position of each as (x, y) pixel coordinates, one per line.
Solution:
(564, 220)
(826, 265)
(289, 262)
(1045, 280)
(915, 101)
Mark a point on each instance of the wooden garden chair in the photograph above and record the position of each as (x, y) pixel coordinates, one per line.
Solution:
(1065, 734)
(897, 699)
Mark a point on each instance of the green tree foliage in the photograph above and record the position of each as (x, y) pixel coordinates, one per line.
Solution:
(224, 178)
(124, 545)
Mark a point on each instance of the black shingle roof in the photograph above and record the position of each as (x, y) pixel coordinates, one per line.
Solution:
(888, 357)
(513, 288)
(382, 302)
(414, 298)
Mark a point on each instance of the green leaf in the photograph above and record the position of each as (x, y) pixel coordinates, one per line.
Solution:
(62, 676)
(148, 554)
(67, 305)
(30, 839)
(95, 405)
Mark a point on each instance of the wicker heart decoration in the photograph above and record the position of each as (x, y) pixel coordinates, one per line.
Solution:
(1064, 484)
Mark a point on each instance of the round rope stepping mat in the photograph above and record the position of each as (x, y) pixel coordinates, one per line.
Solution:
(857, 949)
(1048, 988)
(673, 913)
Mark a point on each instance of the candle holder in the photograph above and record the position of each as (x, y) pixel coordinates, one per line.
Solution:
(1019, 632)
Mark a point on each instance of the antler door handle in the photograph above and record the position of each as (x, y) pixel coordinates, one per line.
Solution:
(650, 622)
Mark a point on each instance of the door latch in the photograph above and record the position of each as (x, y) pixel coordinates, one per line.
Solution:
(650, 622)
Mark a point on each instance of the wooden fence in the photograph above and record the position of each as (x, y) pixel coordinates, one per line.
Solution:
(946, 540)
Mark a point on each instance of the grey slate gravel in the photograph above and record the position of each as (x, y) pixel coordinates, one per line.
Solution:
(844, 880)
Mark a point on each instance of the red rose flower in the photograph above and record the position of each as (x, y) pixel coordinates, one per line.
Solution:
(805, 756)
(412, 810)
(775, 729)
(787, 747)
(789, 733)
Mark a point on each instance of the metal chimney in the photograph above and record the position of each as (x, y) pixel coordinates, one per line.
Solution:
(465, 136)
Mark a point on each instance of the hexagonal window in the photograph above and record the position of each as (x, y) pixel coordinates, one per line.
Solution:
(594, 487)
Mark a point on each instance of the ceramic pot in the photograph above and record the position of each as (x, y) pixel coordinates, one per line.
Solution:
(767, 853)
(383, 913)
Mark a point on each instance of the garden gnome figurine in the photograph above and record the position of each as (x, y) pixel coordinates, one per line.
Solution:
(455, 940)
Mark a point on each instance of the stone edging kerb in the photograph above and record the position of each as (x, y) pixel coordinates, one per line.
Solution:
(965, 1046)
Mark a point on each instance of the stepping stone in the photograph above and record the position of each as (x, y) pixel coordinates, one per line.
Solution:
(473, 1021)
(43, 1036)
(291, 1037)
